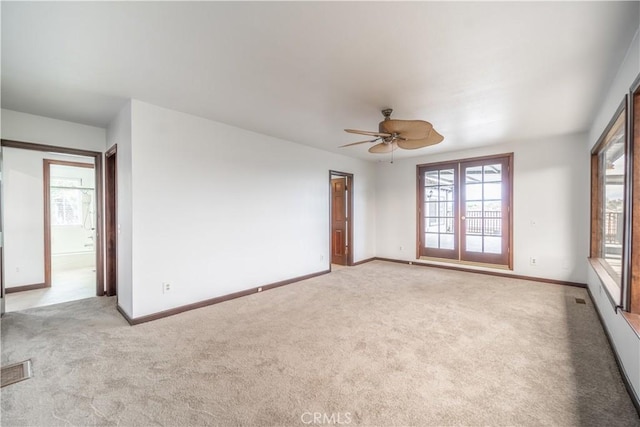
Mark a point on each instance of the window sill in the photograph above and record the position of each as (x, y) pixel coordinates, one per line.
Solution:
(608, 283)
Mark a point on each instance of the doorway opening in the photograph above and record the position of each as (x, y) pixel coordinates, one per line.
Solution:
(341, 213)
(70, 228)
(61, 257)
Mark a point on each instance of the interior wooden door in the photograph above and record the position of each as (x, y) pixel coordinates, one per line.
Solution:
(339, 239)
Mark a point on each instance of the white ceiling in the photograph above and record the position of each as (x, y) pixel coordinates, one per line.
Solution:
(482, 73)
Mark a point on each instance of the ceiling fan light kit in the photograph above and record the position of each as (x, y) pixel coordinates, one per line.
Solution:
(393, 134)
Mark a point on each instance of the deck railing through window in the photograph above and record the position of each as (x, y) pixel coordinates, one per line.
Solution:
(492, 223)
(613, 227)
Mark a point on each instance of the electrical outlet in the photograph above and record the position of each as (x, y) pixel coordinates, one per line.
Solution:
(402, 248)
(259, 289)
(166, 287)
(533, 261)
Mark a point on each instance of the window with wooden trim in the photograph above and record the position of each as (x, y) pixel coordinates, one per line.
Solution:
(609, 162)
(464, 210)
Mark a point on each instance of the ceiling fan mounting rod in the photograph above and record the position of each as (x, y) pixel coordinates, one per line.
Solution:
(394, 136)
(387, 113)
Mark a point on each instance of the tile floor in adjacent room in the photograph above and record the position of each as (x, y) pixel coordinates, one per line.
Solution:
(66, 286)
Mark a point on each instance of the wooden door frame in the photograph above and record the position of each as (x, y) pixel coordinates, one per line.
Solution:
(421, 250)
(111, 220)
(349, 177)
(46, 183)
(508, 190)
(505, 257)
(97, 163)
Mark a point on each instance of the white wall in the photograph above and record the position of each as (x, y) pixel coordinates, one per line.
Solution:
(23, 214)
(43, 130)
(23, 127)
(217, 209)
(625, 341)
(119, 132)
(549, 191)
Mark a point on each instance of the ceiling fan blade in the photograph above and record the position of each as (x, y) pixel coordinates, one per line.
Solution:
(360, 142)
(433, 139)
(365, 132)
(407, 129)
(383, 148)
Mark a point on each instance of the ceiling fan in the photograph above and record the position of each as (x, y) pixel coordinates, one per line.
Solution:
(393, 134)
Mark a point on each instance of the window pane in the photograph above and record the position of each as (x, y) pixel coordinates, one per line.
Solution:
(446, 241)
(473, 174)
(493, 227)
(446, 177)
(66, 206)
(493, 173)
(431, 178)
(430, 193)
(474, 225)
(431, 225)
(447, 209)
(474, 243)
(446, 225)
(446, 193)
(431, 209)
(493, 209)
(611, 167)
(473, 192)
(473, 209)
(431, 240)
(493, 191)
(493, 245)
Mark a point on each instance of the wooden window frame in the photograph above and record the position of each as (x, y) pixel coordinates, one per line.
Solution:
(508, 218)
(614, 291)
(631, 292)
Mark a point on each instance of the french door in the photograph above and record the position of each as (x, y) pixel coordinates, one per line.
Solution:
(464, 210)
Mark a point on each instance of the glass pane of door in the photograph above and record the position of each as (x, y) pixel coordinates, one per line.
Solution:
(484, 214)
(439, 208)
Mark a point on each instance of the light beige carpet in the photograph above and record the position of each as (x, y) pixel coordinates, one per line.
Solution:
(378, 344)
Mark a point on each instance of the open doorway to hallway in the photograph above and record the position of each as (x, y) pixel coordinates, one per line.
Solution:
(50, 227)
(341, 207)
